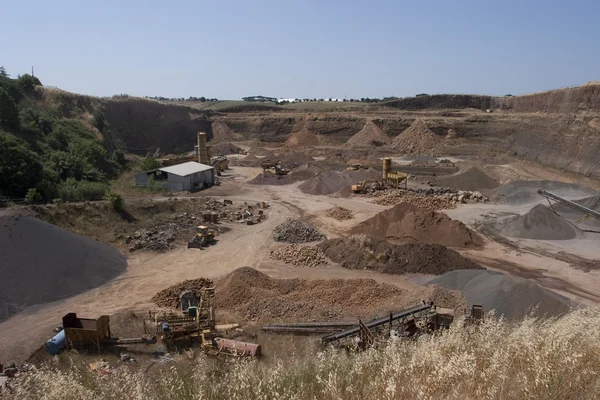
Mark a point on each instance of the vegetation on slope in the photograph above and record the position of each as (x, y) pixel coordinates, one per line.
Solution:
(52, 149)
(533, 359)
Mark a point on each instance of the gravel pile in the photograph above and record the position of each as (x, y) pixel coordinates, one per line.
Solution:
(521, 192)
(406, 222)
(302, 138)
(511, 297)
(328, 182)
(41, 263)
(296, 232)
(369, 135)
(255, 296)
(169, 297)
(540, 223)
(417, 139)
(271, 179)
(363, 252)
(299, 255)
(339, 213)
(221, 132)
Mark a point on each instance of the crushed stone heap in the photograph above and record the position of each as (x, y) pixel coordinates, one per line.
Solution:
(296, 232)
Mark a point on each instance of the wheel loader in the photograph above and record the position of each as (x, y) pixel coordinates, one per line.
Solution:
(361, 187)
(204, 236)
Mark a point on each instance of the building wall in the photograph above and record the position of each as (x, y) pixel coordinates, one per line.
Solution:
(178, 183)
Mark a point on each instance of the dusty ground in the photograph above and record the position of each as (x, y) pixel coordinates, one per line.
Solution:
(147, 273)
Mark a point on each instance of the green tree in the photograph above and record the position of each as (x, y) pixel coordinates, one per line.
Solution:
(3, 72)
(150, 163)
(9, 113)
(28, 82)
(99, 120)
(20, 169)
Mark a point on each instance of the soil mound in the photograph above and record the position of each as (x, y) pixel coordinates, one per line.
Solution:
(471, 179)
(225, 149)
(369, 135)
(40, 263)
(169, 297)
(511, 297)
(221, 132)
(339, 213)
(521, 192)
(293, 160)
(343, 193)
(296, 232)
(254, 295)
(328, 182)
(302, 138)
(540, 223)
(417, 139)
(363, 252)
(408, 223)
(306, 171)
(269, 178)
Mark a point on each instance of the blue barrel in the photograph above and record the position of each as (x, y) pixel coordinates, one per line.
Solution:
(56, 344)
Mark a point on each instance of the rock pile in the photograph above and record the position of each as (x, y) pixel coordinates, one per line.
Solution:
(417, 139)
(169, 297)
(296, 232)
(393, 197)
(255, 296)
(299, 255)
(339, 213)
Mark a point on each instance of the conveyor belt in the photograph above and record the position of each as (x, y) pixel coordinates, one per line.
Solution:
(375, 323)
(570, 204)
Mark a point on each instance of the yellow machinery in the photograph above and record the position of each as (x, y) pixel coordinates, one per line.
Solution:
(204, 236)
(362, 186)
(392, 178)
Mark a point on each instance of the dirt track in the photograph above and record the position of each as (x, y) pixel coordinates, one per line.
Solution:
(147, 273)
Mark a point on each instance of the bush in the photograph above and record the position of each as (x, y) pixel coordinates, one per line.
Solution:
(20, 169)
(150, 163)
(32, 196)
(117, 201)
(9, 114)
(28, 82)
(73, 190)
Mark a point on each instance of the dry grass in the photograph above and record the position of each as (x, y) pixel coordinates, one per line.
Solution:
(549, 359)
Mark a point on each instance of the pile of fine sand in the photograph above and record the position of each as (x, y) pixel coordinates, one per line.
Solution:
(328, 182)
(511, 297)
(540, 223)
(40, 263)
(221, 132)
(408, 223)
(302, 138)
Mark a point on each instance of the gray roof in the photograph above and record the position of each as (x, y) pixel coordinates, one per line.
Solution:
(185, 169)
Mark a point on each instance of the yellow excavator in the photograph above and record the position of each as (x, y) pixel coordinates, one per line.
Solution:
(361, 187)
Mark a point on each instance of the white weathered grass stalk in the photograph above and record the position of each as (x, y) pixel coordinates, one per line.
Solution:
(533, 359)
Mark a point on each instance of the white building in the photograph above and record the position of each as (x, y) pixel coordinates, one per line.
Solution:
(186, 176)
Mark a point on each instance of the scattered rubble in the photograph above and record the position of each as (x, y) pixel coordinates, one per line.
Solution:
(164, 235)
(299, 255)
(296, 232)
(169, 297)
(339, 213)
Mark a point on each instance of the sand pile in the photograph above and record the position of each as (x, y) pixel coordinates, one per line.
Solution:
(521, 192)
(471, 179)
(369, 135)
(337, 158)
(293, 160)
(540, 223)
(221, 132)
(343, 193)
(306, 171)
(224, 148)
(169, 297)
(363, 252)
(417, 139)
(269, 178)
(408, 223)
(254, 295)
(296, 232)
(328, 182)
(339, 213)
(299, 255)
(510, 296)
(40, 263)
(302, 138)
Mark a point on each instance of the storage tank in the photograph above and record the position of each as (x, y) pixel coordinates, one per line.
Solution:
(387, 166)
(202, 150)
(56, 344)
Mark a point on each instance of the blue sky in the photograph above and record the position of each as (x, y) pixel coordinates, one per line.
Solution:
(286, 48)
